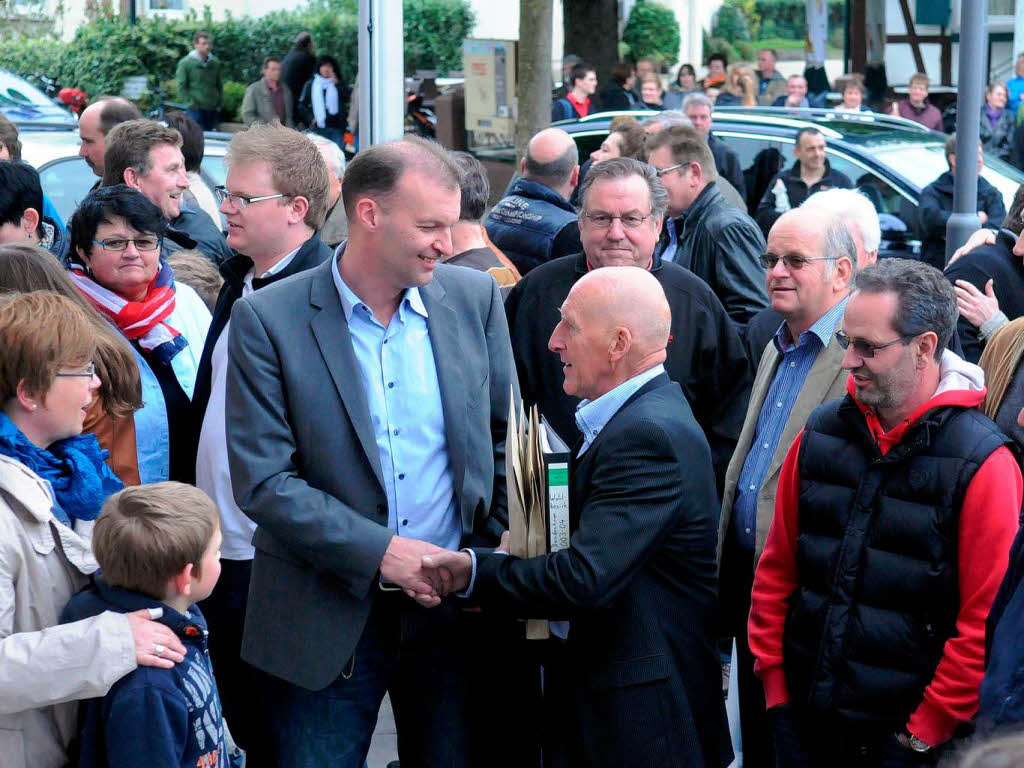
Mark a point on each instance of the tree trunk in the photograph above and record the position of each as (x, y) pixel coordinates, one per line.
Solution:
(534, 86)
(591, 29)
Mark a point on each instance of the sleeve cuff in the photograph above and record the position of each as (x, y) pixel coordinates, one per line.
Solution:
(468, 591)
(931, 725)
(775, 690)
(990, 326)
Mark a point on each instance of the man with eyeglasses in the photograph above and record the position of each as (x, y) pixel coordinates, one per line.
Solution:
(146, 155)
(716, 241)
(808, 266)
(622, 204)
(895, 511)
(275, 199)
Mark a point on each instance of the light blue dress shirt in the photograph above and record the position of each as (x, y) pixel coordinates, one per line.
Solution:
(669, 254)
(593, 415)
(396, 365)
(790, 375)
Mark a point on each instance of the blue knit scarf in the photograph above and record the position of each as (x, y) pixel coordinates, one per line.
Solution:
(75, 468)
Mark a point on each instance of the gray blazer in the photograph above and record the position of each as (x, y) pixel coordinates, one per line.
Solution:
(257, 106)
(825, 381)
(305, 466)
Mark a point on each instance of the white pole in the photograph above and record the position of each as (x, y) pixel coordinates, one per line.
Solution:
(381, 72)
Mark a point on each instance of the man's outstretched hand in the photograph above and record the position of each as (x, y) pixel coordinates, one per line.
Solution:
(452, 570)
(402, 566)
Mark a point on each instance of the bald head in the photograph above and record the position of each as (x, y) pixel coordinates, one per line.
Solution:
(615, 325)
(552, 160)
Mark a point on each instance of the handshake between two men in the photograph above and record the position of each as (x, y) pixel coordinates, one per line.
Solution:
(426, 572)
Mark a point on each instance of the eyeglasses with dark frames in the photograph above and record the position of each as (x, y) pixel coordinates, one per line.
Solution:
(87, 373)
(241, 202)
(792, 261)
(148, 243)
(862, 348)
(604, 220)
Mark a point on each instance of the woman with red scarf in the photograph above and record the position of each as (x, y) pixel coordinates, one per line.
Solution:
(116, 238)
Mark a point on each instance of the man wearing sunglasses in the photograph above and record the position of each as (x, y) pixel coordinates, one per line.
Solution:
(809, 264)
(895, 511)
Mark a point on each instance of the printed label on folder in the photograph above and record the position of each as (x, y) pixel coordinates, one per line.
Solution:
(558, 506)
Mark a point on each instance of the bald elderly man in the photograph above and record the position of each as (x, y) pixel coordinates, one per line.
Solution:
(637, 582)
(535, 223)
(96, 122)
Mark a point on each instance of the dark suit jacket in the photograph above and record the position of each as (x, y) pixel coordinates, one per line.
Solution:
(638, 585)
(305, 466)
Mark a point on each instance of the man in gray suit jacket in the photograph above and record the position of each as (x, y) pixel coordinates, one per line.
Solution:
(810, 263)
(368, 406)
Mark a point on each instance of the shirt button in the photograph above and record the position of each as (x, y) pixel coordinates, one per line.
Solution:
(406, 522)
(765, 446)
(401, 475)
(391, 385)
(778, 405)
(747, 530)
(395, 432)
(792, 365)
(385, 341)
(752, 487)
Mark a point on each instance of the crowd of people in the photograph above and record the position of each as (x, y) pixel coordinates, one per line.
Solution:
(256, 476)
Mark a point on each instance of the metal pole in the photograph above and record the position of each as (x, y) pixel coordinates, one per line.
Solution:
(971, 85)
(381, 69)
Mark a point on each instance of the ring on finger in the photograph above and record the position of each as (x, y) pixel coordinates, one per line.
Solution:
(158, 650)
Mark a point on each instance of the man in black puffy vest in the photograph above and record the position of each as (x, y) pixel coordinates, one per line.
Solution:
(895, 512)
(534, 223)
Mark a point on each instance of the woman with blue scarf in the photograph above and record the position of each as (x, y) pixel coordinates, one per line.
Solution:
(53, 482)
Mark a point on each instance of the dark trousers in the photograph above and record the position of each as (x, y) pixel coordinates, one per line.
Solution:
(804, 741)
(413, 654)
(237, 682)
(207, 119)
(736, 582)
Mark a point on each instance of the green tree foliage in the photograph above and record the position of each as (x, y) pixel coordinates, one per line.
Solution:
(730, 24)
(106, 51)
(652, 30)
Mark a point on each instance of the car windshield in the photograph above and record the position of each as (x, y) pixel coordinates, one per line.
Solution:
(921, 164)
(17, 92)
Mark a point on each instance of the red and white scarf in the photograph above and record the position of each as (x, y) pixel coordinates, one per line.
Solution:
(141, 321)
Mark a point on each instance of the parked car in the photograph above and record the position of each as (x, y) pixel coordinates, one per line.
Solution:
(889, 159)
(66, 178)
(22, 103)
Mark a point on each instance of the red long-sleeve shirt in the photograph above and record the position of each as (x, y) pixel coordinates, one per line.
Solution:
(988, 524)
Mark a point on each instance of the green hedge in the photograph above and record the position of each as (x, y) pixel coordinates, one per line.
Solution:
(759, 19)
(102, 54)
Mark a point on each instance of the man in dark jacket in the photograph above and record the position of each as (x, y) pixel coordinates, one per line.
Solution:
(697, 107)
(936, 205)
(705, 354)
(637, 581)
(810, 173)
(618, 94)
(718, 242)
(535, 223)
(298, 67)
(147, 156)
(273, 239)
(894, 513)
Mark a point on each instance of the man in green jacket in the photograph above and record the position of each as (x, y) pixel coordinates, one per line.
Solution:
(200, 82)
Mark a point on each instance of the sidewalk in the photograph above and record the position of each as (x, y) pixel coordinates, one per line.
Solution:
(384, 747)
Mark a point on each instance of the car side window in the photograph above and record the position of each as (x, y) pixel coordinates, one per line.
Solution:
(66, 182)
(761, 157)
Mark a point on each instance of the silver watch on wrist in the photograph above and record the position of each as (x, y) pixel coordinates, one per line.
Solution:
(917, 745)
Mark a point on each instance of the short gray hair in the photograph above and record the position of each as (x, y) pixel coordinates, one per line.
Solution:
(331, 153)
(697, 100)
(667, 118)
(839, 244)
(925, 298)
(556, 172)
(852, 207)
(623, 168)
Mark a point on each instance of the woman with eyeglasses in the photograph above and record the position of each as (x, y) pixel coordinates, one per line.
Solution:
(116, 236)
(53, 483)
(25, 268)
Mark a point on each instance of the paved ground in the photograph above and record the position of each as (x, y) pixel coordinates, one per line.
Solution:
(384, 747)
